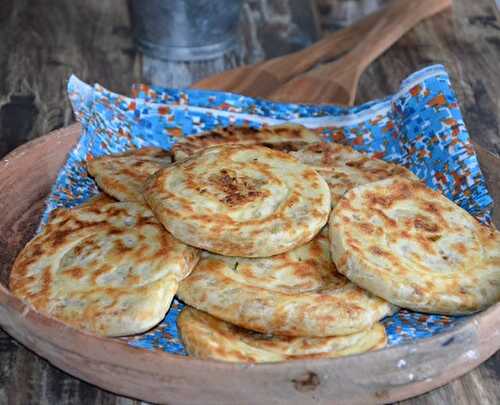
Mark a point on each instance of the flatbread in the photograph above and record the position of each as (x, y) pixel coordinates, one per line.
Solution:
(99, 199)
(108, 268)
(96, 200)
(285, 137)
(298, 293)
(412, 246)
(207, 337)
(240, 200)
(123, 175)
(344, 168)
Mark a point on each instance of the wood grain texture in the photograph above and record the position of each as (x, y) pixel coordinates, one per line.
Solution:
(261, 79)
(45, 41)
(29, 379)
(337, 82)
(467, 41)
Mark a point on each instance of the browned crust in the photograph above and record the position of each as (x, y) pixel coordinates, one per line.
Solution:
(123, 175)
(287, 137)
(207, 337)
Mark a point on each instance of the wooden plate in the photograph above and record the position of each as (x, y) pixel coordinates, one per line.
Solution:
(387, 375)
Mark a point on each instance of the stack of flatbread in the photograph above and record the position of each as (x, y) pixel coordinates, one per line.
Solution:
(281, 245)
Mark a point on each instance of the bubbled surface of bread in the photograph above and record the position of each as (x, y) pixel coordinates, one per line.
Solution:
(298, 293)
(344, 168)
(412, 246)
(282, 137)
(108, 268)
(240, 200)
(123, 175)
(207, 337)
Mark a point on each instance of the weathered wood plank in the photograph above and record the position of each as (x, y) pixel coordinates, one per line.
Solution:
(480, 386)
(26, 378)
(44, 41)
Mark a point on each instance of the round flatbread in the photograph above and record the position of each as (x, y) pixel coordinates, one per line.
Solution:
(344, 168)
(108, 268)
(240, 200)
(298, 293)
(123, 175)
(281, 137)
(412, 246)
(207, 337)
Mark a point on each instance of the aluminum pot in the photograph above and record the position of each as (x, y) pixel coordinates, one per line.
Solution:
(185, 30)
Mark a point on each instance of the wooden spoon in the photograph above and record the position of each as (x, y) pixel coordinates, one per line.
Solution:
(263, 78)
(338, 81)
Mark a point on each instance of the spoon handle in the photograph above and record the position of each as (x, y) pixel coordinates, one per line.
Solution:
(332, 45)
(399, 18)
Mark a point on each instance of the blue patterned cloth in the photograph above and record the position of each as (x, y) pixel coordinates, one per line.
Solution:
(420, 127)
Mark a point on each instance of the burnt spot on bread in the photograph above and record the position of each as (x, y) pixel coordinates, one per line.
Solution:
(242, 130)
(425, 224)
(310, 174)
(399, 191)
(434, 238)
(286, 146)
(431, 207)
(366, 227)
(389, 222)
(460, 248)
(137, 164)
(115, 232)
(381, 200)
(358, 163)
(377, 251)
(122, 247)
(290, 131)
(75, 272)
(345, 204)
(236, 189)
(59, 237)
(46, 285)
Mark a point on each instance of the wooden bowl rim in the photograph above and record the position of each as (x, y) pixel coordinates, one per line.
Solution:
(485, 325)
(477, 322)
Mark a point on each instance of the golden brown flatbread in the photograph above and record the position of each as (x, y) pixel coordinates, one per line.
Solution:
(344, 168)
(285, 137)
(297, 293)
(123, 175)
(412, 246)
(207, 337)
(240, 200)
(108, 268)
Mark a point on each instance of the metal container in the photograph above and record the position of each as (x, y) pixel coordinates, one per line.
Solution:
(185, 30)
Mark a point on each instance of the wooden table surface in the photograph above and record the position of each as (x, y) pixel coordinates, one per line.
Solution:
(44, 41)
